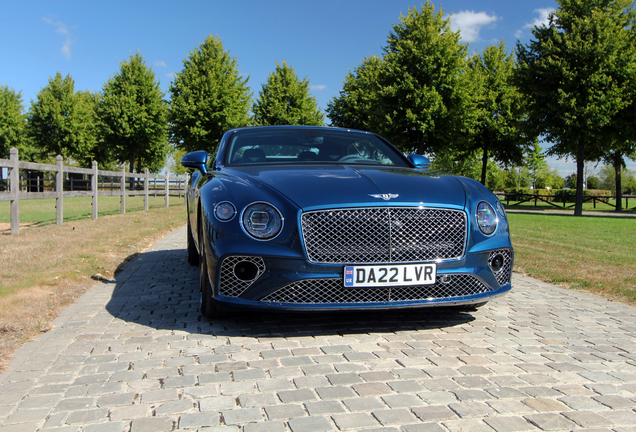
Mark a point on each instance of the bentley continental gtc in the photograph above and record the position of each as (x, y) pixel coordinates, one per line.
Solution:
(301, 218)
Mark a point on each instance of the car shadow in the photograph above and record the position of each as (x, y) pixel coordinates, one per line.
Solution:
(160, 290)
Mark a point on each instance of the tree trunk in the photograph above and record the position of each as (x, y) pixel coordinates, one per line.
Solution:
(580, 172)
(484, 165)
(618, 167)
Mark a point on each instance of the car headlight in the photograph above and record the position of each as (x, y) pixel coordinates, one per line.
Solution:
(486, 218)
(262, 221)
(224, 211)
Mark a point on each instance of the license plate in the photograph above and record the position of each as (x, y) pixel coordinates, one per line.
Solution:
(389, 275)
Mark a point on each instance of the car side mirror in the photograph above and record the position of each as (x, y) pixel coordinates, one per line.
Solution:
(196, 160)
(419, 161)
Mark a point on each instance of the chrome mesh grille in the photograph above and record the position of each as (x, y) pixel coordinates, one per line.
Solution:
(503, 276)
(331, 290)
(383, 235)
(229, 284)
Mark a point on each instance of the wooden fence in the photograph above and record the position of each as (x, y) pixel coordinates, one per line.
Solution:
(520, 198)
(16, 188)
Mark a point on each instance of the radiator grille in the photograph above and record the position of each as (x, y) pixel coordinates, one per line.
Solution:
(321, 291)
(383, 235)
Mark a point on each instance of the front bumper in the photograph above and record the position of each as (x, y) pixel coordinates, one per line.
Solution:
(295, 284)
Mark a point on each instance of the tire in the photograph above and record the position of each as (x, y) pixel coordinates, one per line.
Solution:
(206, 305)
(193, 254)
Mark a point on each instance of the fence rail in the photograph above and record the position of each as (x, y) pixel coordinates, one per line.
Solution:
(127, 184)
(520, 198)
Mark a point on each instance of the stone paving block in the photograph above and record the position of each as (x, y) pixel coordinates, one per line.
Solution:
(434, 413)
(311, 424)
(197, 420)
(372, 389)
(287, 411)
(394, 416)
(106, 427)
(296, 396)
(175, 407)
(87, 416)
(355, 421)
(152, 424)
(270, 426)
(402, 401)
(324, 407)
(509, 424)
(130, 412)
(242, 416)
(471, 409)
(335, 392)
(217, 403)
(544, 404)
(28, 416)
(363, 404)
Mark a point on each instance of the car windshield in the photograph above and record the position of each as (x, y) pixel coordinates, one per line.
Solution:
(315, 146)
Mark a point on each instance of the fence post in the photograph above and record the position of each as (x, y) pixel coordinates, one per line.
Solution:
(146, 189)
(167, 189)
(95, 189)
(59, 188)
(123, 190)
(14, 178)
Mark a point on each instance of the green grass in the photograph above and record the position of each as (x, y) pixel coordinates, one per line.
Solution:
(43, 211)
(591, 253)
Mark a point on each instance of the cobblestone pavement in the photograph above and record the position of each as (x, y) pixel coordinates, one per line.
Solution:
(134, 355)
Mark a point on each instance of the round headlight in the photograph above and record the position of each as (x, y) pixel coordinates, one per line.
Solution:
(501, 209)
(262, 221)
(486, 218)
(224, 211)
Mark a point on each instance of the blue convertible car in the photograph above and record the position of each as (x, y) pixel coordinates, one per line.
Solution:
(301, 218)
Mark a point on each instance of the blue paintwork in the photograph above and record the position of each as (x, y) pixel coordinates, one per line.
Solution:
(297, 188)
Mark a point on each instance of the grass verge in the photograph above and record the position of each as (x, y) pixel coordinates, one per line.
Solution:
(46, 268)
(589, 253)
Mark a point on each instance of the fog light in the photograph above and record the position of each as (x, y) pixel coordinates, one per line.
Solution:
(245, 271)
(496, 263)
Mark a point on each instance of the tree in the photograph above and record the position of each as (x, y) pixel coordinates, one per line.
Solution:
(425, 95)
(500, 109)
(577, 73)
(132, 116)
(208, 97)
(284, 100)
(12, 120)
(418, 95)
(61, 122)
(357, 105)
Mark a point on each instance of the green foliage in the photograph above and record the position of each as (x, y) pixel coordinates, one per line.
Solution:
(12, 121)
(417, 95)
(499, 106)
(469, 166)
(208, 97)
(133, 115)
(607, 179)
(175, 166)
(357, 105)
(577, 74)
(284, 100)
(62, 122)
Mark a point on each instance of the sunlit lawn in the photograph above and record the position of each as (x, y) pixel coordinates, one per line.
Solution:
(44, 211)
(593, 253)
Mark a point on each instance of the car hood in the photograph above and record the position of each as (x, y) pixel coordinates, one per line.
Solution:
(320, 186)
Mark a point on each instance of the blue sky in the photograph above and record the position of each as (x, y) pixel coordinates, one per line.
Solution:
(321, 40)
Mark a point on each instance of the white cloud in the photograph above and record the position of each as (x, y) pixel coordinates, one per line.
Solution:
(64, 30)
(171, 75)
(318, 87)
(542, 19)
(160, 63)
(470, 23)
